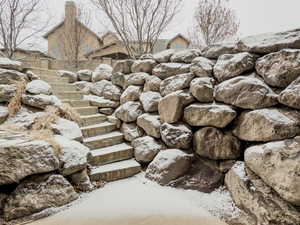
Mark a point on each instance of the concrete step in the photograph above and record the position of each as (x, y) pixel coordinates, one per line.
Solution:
(63, 87)
(84, 111)
(69, 95)
(92, 119)
(110, 154)
(104, 140)
(64, 80)
(98, 129)
(115, 171)
(77, 103)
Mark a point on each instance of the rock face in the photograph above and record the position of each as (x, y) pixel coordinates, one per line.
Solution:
(277, 164)
(129, 112)
(150, 124)
(270, 42)
(152, 84)
(10, 76)
(150, 101)
(232, 65)
(85, 75)
(185, 56)
(164, 56)
(102, 72)
(136, 79)
(253, 196)
(131, 131)
(146, 148)
(202, 67)
(246, 93)
(166, 70)
(3, 114)
(178, 136)
(40, 101)
(6, 92)
(212, 143)
(290, 96)
(279, 69)
(132, 93)
(215, 115)
(168, 165)
(267, 125)
(21, 158)
(106, 89)
(175, 83)
(39, 193)
(145, 65)
(37, 87)
(202, 89)
(72, 76)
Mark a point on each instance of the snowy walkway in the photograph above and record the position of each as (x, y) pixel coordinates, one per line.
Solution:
(137, 201)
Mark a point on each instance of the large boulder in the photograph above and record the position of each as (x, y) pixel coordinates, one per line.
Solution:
(184, 56)
(170, 108)
(150, 101)
(281, 68)
(165, 70)
(178, 136)
(145, 65)
(118, 79)
(202, 67)
(175, 83)
(215, 115)
(7, 63)
(83, 86)
(246, 93)
(212, 143)
(270, 42)
(106, 89)
(131, 131)
(123, 66)
(290, 96)
(67, 128)
(163, 56)
(168, 165)
(214, 51)
(73, 155)
(7, 92)
(256, 198)
(150, 124)
(40, 101)
(102, 72)
(20, 158)
(152, 84)
(202, 88)
(4, 113)
(85, 75)
(267, 125)
(37, 87)
(138, 79)
(277, 164)
(146, 148)
(38, 193)
(132, 93)
(73, 77)
(232, 65)
(129, 112)
(101, 102)
(11, 76)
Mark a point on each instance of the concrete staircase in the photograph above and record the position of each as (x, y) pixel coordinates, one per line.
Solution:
(110, 157)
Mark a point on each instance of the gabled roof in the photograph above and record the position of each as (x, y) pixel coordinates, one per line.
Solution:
(178, 36)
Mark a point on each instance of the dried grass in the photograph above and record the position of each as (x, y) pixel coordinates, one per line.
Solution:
(16, 102)
(11, 127)
(44, 121)
(68, 112)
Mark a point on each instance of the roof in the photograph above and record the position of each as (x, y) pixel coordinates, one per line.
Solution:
(178, 36)
(101, 48)
(62, 22)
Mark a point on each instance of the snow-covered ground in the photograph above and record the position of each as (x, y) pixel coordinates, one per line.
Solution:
(137, 201)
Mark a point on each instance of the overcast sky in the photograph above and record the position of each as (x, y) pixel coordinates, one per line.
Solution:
(256, 16)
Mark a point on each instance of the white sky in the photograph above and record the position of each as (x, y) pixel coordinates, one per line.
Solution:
(256, 16)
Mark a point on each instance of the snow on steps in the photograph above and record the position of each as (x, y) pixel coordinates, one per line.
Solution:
(111, 158)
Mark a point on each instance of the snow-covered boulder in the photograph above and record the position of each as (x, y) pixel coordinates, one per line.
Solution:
(175, 83)
(246, 92)
(6, 63)
(11, 76)
(129, 112)
(152, 84)
(113, 119)
(150, 101)
(67, 128)
(202, 88)
(178, 136)
(3, 113)
(20, 158)
(101, 102)
(118, 79)
(84, 86)
(82, 181)
(268, 124)
(163, 56)
(40, 101)
(146, 148)
(73, 155)
(123, 66)
(106, 89)
(145, 65)
(185, 56)
(165, 70)
(214, 51)
(136, 79)
(102, 72)
(290, 96)
(202, 67)
(281, 68)
(215, 115)
(131, 131)
(168, 165)
(85, 75)
(131, 93)
(150, 124)
(32, 76)
(7, 92)
(38, 193)
(37, 87)
(73, 77)
(212, 143)
(233, 65)
(277, 164)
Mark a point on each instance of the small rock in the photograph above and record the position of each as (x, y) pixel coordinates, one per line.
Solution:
(73, 77)
(150, 101)
(131, 131)
(81, 181)
(150, 124)
(37, 87)
(85, 75)
(132, 93)
(129, 112)
(32, 76)
(202, 89)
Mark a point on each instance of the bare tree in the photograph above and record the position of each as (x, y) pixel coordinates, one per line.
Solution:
(215, 21)
(139, 23)
(20, 20)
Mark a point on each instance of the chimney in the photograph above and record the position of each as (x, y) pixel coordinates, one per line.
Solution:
(70, 12)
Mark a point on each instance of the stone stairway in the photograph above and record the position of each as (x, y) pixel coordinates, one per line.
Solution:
(110, 157)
